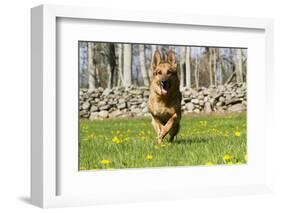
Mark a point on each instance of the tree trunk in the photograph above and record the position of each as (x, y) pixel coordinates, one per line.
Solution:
(187, 68)
(182, 66)
(111, 64)
(142, 65)
(211, 66)
(91, 65)
(239, 67)
(127, 65)
(196, 72)
(120, 65)
(109, 74)
(153, 49)
(215, 65)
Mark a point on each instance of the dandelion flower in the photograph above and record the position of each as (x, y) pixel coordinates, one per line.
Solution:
(104, 161)
(149, 157)
(116, 140)
(237, 134)
(226, 157)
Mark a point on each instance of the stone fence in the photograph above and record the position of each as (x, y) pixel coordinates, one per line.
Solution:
(131, 101)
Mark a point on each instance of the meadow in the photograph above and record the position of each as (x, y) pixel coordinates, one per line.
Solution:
(131, 143)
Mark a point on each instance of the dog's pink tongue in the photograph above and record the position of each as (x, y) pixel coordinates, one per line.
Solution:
(163, 91)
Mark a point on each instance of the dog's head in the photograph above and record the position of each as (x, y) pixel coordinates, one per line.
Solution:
(165, 72)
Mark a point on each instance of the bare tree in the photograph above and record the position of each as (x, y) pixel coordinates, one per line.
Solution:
(182, 66)
(187, 68)
(196, 71)
(91, 65)
(142, 65)
(215, 65)
(153, 49)
(127, 62)
(239, 66)
(111, 63)
(119, 72)
(219, 67)
(210, 52)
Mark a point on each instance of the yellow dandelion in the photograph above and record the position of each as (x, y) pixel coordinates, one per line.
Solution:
(209, 164)
(104, 161)
(237, 134)
(149, 157)
(226, 157)
(163, 145)
(116, 140)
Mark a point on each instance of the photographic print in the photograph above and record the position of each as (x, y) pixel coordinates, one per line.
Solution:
(157, 105)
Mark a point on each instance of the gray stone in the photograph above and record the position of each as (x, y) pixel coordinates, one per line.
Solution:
(95, 95)
(112, 102)
(189, 107)
(136, 110)
(143, 105)
(105, 107)
(233, 101)
(115, 114)
(144, 110)
(121, 106)
(197, 110)
(83, 112)
(237, 108)
(221, 99)
(106, 92)
(101, 103)
(195, 101)
(86, 105)
(136, 92)
(103, 114)
(201, 97)
(94, 115)
(201, 103)
(100, 89)
(208, 107)
(94, 108)
(219, 104)
(186, 93)
(121, 100)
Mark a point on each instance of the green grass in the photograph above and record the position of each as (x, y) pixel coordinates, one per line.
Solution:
(131, 143)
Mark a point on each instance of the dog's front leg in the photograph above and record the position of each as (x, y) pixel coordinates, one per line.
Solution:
(165, 129)
(157, 125)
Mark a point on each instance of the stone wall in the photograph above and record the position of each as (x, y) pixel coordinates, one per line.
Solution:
(131, 101)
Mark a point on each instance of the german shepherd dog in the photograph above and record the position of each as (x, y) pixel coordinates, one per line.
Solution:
(164, 102)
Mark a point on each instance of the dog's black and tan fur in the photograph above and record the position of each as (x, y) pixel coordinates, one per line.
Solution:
(164, 103)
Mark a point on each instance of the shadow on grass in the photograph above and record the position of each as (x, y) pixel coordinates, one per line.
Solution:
(193, 140)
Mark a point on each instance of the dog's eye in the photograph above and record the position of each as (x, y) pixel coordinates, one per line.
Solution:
(169, 72)
(159, 72)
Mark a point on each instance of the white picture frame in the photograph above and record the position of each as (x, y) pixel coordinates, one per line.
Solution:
(44, 135)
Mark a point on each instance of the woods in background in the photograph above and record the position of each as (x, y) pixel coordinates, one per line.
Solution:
(110, 65)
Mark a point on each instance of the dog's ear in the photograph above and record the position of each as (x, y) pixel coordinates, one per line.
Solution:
(171, 59)
(156, 59)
